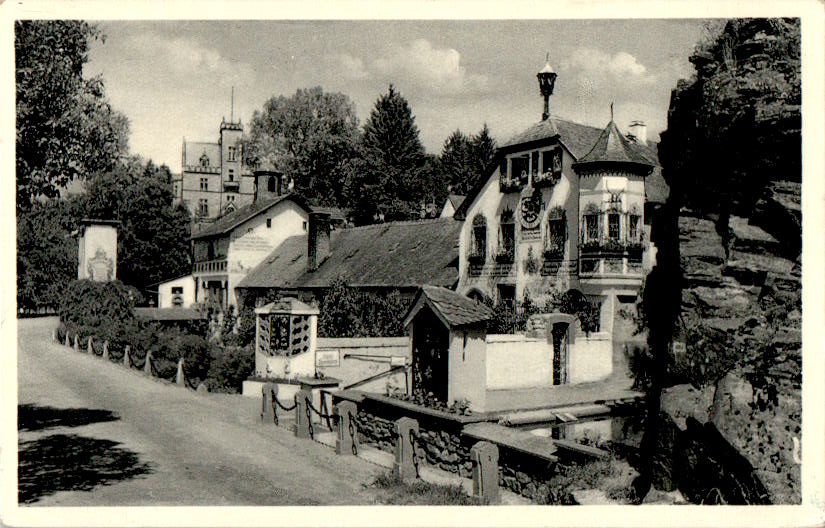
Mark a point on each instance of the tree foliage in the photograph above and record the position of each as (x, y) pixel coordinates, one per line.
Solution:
(350, 312)
(310, 137)
(153, 237)
(65, 125)
(466, 159)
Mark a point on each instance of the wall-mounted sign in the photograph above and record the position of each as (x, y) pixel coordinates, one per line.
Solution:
(530, 211)
(327, 358)
(398, 361)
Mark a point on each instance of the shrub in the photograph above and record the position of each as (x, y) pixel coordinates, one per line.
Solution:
(230, 367)
(104, 310)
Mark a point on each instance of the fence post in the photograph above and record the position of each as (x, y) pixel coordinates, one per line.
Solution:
(484, 456)
(301, 419)
(404, 465)
(346, 441)
(106, 349)
(76, 343)
(89, 348)
(126, 360)
(179, 379)
(269, 391)
(67, 339)
(147, 366)
(54, 334)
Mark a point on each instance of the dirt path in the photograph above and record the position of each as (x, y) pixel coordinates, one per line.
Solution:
(93, 433)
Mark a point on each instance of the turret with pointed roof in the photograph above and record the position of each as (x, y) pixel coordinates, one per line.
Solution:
(614, 151)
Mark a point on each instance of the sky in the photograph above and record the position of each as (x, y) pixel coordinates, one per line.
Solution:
(173, 79)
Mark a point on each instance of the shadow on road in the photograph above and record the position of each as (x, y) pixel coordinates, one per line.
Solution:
(72, 463)
(35, 418)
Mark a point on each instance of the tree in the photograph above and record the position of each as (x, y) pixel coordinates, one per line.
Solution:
(309, 137)
(389, 178)
(153, 238)
(464, 160)
(65, 126)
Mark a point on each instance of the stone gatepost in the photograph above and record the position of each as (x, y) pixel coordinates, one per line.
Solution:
(346, 442)
(76, 343)
(301, 419)
(147, 365)
(67, 339)
(269, 392)
(54, 335)
(484, 456)
(127, 362)
(89, 348)
(404, 464)
(106, 349)
(179, 379)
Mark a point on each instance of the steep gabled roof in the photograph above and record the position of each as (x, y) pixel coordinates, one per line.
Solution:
(452, 308)
(228, 222)
(578, 138)
(613, 148)
(395, 254)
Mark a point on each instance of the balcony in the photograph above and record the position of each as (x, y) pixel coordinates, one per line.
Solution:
(231, 186)
(612, 246)
(611, 260)
(210, 266)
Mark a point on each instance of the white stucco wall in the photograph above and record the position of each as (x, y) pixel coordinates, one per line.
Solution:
(94, 238)
(518, 362)
(362, 357)
(467, 361)
(590, 358)
(165, 292)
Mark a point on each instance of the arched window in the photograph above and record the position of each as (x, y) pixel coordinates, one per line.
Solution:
(272, 185)
(204, 160)
(506, 237)
(478, 243)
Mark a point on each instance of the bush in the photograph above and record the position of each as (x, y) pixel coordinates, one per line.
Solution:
(230, 367)
(349, 312)
(104, 310)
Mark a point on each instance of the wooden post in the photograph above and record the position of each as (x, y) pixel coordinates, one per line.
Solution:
(67, 339)
(147, 366)
(301, 420)
(346, 411)
(404, 465)
(106, 349)
(484, 456)
(179, 379)
(54, 334)
(89, 348)
(269, 392)
(76, 343)
(126, 360)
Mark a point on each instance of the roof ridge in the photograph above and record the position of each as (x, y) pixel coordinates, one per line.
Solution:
(395, 223)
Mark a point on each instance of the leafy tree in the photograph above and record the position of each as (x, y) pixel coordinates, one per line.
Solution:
(153, 238)
(464, 160)
(310, 137)
(65, 126)
(389, 178)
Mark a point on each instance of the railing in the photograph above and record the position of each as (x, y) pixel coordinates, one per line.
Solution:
(611, 245)
(233, 183)
(211, 266)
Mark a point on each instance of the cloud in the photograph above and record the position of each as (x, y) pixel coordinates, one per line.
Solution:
(345, 66)
(593, 63)
(186, 57)
(436, 69)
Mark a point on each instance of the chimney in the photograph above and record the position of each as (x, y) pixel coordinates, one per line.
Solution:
(317, 239)
(639, 131)
(267, 184)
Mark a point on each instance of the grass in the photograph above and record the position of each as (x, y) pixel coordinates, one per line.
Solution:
(393, 491)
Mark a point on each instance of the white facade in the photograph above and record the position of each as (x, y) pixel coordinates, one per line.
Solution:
(97, 251)
(177, 293)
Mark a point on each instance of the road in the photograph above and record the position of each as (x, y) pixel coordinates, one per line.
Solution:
(93, 433)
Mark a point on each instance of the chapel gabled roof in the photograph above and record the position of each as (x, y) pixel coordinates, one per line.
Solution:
(613, 147)
(452, 308)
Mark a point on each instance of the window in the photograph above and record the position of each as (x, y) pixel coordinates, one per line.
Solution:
(203, 207)
(591, 227)
(506, 294)
(478, 243)
(633, 228)
(232, 153)
(507, 238)
(204, 184)
(613, 230)
(230, 175)
(555, 237)
(204, 160)
(519, 167)
(230, 198)
(534, 163)
(268, 223)
(305, 226)
(177, 290)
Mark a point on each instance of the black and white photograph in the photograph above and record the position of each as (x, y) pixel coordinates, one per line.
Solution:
(413, 254)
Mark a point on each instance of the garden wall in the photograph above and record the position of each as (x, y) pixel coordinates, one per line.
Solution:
(591, 358)
(352, 359)
(516, 362)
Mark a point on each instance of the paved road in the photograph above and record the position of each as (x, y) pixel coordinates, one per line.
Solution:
(93, 433)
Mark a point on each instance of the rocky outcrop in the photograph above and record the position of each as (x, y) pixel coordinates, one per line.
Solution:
(743, 288)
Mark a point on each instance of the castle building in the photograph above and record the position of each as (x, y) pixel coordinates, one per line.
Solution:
(214, 180)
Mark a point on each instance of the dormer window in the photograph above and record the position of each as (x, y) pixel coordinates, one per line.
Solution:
(478, 242)
(550, 171)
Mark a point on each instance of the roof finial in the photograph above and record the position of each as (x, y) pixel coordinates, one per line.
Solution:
(547, 57)
(611, 110)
